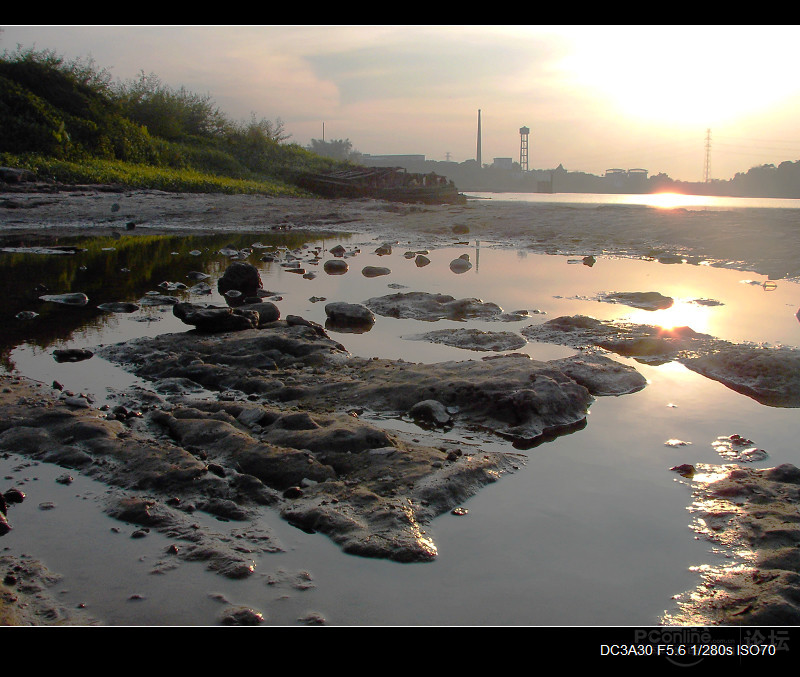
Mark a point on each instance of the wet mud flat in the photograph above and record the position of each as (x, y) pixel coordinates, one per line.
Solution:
(277, 416)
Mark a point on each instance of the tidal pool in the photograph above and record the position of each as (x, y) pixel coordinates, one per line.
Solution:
(593, 530)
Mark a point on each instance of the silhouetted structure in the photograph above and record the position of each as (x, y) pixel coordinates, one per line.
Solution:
(385, 183)
(478, 155)
(523, 148)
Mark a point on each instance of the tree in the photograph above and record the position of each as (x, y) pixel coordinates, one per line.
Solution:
(172, 114)
(338, 149)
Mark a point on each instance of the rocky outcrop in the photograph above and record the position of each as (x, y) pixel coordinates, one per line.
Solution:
(646, 300)
(431, 307)
(209, 318)
(770, 375)
(746, 510)
(473, 339)
(333, 472)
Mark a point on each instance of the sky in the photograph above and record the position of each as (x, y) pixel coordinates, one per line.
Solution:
(593, 96)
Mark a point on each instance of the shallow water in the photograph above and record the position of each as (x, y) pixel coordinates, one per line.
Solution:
(593, 530)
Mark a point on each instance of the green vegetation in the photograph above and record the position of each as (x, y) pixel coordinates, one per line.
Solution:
(68, 122)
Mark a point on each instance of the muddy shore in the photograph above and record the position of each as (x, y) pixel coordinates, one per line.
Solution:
(286, 397)
(739, 241)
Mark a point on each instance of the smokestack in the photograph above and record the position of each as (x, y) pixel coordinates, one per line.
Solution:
(479, 139)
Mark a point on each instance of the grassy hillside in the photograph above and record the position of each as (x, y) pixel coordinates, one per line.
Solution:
(68, 122)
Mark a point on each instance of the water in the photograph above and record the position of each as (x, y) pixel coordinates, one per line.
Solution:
(657, 200)
(593, 530)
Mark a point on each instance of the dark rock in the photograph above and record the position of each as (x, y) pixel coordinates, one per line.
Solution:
(335, 267)
(71, 354)
(293, 492)
(430, 411)
(646, 300)
(267, 311)
(375, 271)
(216, 319)
(119, 307)
(241, 615)
(14, 496)
(242, 277)
(342, 313)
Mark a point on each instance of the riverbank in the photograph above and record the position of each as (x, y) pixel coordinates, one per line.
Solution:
(743, 240)
(288, 385)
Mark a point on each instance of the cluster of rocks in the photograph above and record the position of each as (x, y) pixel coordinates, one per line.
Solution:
(430, 307)
(745, 510)
(284, 417)
(770, 375)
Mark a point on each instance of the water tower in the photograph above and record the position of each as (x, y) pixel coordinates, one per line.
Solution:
(523, 148)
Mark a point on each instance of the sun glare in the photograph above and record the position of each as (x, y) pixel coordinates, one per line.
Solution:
(683, 313)
(676, 200)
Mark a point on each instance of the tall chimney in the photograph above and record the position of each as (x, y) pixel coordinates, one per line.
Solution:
(479, 139)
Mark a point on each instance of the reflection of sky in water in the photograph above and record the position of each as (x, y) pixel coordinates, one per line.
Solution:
(594, 529)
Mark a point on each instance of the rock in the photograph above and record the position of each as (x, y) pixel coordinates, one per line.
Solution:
(26, 315)
(375, 271)
(431, 307)
(241, 615)
(242, 277)
(119, 307)
(341, 313)
(338, 250)
(156, 299)
(267, 311)
(76, 299)
(72, 354)
(14, 496)
(421, 261)
(474, 339)
(646, 300)
(216, 319)
(335, 267)
(431, 412)
(460, 265)
(770, 376)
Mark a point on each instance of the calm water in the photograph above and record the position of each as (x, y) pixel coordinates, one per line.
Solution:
(658, 200)
(593, 530)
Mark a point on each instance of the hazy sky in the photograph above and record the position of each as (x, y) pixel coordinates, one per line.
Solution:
(594, 97)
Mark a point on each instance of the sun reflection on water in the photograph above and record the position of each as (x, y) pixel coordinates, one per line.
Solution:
(682, 313)
(677, 200)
